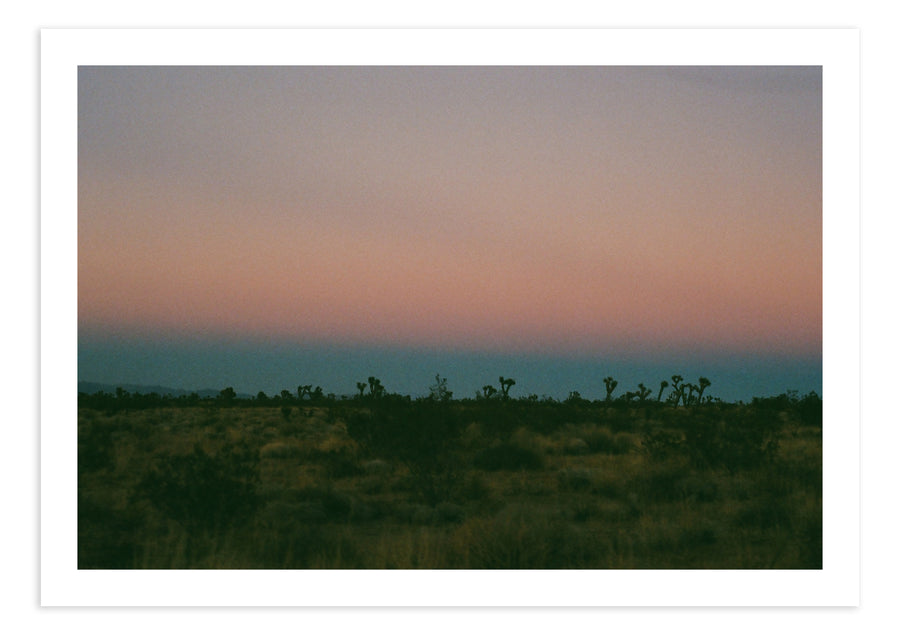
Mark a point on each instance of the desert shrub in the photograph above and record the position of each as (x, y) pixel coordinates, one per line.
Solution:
(604, 441)
(576, 446)
(582, 511)
(315, 504)
(739, 444)
(623, 443)
(808, 529)
(508, 456)
(447, 512)
(661, 444)
(376, 467)
(337, 505)
(280, 515)
(698, 489)
(422, 435)
(95, 447)
(660, 482)
(522, 538)
(809, 410)
(577, 479)
(303, 545)
(609, 485)
(474, 488)
(745, 441)
(107, 537)
(279, 450)
(340, 462)
(763, 513)
(702, 535)
(418, 514)
(443, 513)
(204, 491)
(619, 418)
(291, 427)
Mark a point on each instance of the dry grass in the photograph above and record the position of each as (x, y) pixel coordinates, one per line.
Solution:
(596, 499)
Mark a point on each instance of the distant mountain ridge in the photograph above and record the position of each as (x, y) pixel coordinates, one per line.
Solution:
(90, 388)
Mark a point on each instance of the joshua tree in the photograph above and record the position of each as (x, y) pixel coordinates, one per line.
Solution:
(505, 385)
(610, 387)
(643, 392)
(678, 389)
(361, 387)
(302, 391)
(489, 391)
(690, 396)
(704, 384)
(439, 391)
(375, 388)
(662, 386)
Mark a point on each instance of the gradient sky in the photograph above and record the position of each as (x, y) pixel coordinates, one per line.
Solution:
(566, 213)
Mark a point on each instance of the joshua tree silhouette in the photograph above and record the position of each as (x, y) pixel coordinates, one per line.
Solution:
(489, 391)
(677, 388)
(643, 392)
(505, 385)
(610, 387)
(704, 384)
(662, 386)
(689, 399)
(439, 391)
(375, 388)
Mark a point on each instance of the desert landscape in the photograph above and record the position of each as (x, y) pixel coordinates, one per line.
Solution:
(647, 479)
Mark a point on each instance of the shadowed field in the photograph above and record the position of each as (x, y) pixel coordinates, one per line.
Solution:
(383, 481)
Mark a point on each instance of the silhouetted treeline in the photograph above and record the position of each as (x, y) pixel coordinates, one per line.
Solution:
(677, 394)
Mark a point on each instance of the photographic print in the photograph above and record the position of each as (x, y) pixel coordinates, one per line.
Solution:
(537, 317)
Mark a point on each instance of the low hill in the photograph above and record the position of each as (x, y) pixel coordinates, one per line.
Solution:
(90, 388)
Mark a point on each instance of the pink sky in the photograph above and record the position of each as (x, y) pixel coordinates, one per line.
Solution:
(548, 209)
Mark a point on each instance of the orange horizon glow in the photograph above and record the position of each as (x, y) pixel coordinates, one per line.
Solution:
(532, 227)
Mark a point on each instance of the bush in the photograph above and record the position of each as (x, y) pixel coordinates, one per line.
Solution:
(810, 410)
(747, 440)
(422, 435)
(576, 446)
(663, 444)
(107, 538)
(576, 479)
(519, 538)
(279, 450)
(340, 462)
(508, 456)
(604, 441)
(203, 491)
(96, 450)
(736, 445)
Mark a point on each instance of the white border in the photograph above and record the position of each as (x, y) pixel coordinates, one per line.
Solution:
(63, 50)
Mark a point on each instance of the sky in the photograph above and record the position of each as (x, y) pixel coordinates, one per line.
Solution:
(263, 227)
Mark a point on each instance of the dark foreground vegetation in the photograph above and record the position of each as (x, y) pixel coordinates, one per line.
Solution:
(667, 478)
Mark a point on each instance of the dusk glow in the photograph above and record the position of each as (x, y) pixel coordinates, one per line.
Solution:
(565, 212)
